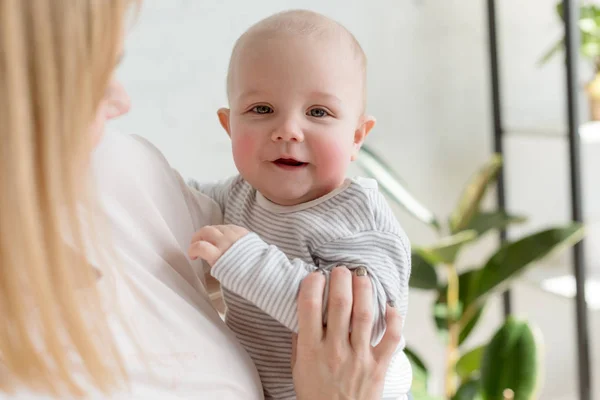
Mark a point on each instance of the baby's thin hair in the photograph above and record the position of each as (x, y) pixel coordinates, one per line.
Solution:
(298, 23)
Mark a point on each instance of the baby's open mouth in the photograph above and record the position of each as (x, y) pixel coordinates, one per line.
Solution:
(289, 162)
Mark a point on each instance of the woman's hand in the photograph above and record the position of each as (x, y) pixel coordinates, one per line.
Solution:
(329, 363)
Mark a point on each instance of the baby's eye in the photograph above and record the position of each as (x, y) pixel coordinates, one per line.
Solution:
(262, 110)
(317, 112)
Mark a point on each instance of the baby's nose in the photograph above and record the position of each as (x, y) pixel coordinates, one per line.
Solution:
(289, 133)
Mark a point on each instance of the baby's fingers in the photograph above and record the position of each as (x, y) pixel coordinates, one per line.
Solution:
(204, 250)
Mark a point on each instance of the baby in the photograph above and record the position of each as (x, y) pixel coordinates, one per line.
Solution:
(296, 89)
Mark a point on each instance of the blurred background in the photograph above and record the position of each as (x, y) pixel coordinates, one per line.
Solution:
(430, 90)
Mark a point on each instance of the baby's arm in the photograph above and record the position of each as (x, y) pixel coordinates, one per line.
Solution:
(386, 256)
(219, 193)
(263, 274)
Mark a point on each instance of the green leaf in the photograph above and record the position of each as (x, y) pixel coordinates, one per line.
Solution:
(423, 275)
(392, 185)
(470, 363)
(585, 11)
(446, 250)
(471, 197)
(556, 47)
(483, 222)
(467, 283)
(559, 10)
(466, 330)
(588, 25)
(475, 286)
(442, 315)
(415, 360)
(590, 49)
(513, 258)
(589, 11)
(419, 370)
(441, 311)
(510, 361)
(418, 395)
(469, 390)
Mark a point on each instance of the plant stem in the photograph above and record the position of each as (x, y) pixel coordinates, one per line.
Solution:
(467, 315)
(453, 330)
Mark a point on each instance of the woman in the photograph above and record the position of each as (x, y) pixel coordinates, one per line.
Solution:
(132, 319)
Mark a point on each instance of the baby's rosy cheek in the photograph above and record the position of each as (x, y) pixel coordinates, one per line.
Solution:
(244, 148)
(334, 158)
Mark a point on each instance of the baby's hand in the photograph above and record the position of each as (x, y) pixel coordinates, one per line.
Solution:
(212, 241)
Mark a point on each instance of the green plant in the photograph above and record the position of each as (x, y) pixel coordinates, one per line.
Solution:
(506, 367)
(589, 27)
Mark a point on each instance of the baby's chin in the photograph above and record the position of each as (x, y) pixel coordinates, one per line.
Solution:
(292, 195)
(285, 199)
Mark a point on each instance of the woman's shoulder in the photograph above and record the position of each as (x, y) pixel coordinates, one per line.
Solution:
(186, 346)
(130, 150)
(130, 167)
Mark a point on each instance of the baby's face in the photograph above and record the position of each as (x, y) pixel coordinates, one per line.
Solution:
(296, 119)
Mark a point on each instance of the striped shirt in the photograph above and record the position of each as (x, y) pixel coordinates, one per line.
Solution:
(261, 273)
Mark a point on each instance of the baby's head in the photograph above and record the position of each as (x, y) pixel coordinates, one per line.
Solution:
(296, 89)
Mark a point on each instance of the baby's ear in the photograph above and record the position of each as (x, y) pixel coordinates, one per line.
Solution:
(365, 124)
(223, 115)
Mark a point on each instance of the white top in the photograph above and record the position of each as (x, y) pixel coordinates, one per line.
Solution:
(188, 350)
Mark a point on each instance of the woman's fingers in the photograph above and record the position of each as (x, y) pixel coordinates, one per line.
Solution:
(333, 368)
(339, 304)
(362, 310)
(310, 309)
(384, 351)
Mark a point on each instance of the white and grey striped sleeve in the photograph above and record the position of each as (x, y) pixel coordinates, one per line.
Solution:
(218, 191)
(263, 275)
(387, 259)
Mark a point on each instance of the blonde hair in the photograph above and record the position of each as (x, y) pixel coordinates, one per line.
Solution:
(298, 23)
(56, 59)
